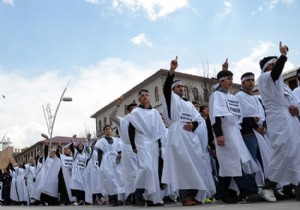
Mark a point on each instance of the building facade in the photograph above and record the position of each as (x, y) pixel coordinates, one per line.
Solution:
(197, 89)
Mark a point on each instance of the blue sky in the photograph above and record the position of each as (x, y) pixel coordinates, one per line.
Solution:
(99, 43)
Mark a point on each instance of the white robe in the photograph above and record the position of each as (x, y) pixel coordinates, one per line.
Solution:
(186, 165)
(93, 182)
(39, 178)
(50, 185)
(149, 129)
(110, 172)
(283, 128)
(129, 161)
(18, 189)
(252, 107)
(66, 166)
(234, 157)
(78, 170)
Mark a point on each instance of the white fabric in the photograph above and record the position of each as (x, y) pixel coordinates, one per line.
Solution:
(149, 129)
(78, 170)
(185, 165)
(234, 156)
(50, 185)
(66, 166)
(296, 92)
(18, 189)
(110, 172)
(129, 161)
(251, 107)
(283, 128)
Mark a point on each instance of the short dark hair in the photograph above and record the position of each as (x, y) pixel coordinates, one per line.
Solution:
(106, 127)
(203, 107)
(224, 73)
(143, 90)
(129, 106)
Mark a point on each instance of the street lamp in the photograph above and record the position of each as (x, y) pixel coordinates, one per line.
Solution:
(50, 119)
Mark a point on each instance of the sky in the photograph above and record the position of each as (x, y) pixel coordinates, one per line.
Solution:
(105, 47)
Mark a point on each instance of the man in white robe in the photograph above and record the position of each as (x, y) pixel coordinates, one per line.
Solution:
(145, 129)
(110, 172)
(253, 130)
(281, 109)
(233, 156)
(129, 161)
(185, 167)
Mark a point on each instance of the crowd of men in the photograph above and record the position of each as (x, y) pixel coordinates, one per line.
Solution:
(239, 148)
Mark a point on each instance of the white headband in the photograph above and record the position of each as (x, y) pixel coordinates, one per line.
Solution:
(247, 77)
(223, 78)
(179, 82)
(268, 63)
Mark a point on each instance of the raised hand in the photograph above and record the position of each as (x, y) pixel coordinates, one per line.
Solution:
(120, 100)
(225, 65)
(283, 49)
(173, 65)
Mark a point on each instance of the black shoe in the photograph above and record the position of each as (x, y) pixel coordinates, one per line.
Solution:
(280, 195)
(227, 199)
(254, 198)
(151, 204)
(139, 201)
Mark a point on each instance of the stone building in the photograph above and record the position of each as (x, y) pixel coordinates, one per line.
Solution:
(197, 89)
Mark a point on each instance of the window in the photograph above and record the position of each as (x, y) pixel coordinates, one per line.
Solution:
(156, 94)
(105, 121)
(195, 94)
(100, 125)
(206, 95)
(186, 93)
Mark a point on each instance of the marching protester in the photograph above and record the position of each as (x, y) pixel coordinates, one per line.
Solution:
(129, 161)
(187, 129)
(233, 156)
(145, 129)
(281, 109)
(109, 157)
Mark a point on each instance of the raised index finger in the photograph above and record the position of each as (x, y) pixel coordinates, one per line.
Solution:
(280, 45)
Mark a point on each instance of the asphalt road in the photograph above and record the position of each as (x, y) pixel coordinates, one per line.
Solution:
(280, 205)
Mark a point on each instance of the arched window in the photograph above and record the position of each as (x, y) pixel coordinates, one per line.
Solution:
(186, 93)
(195, 94)
(105, 121)
(100, 125)
(156, 94)
(205, 95)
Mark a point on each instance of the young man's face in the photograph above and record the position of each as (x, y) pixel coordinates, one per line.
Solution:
(179, 90)
(226, 83)
(205, 111)
(144, 98)
(107, 131)
(248, 84)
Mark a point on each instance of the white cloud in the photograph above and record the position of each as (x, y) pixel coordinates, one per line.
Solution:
(9, 2)
(259, 9)
(93, 1)
(141, 39)
(93, 88)
(154, 9)
(273, 3)
(227, 10)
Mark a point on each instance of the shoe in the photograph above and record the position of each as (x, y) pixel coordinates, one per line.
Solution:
(189, 203)
(151, 204)
(197, 201)
(102, 201)
(279, 195)
(81, 203)
(297, 192)
(268, 194)
(254, 198)
(207, 200)
(139, 201)
(228, 199)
